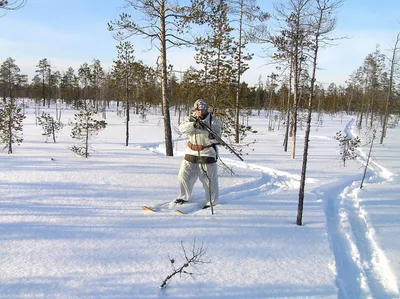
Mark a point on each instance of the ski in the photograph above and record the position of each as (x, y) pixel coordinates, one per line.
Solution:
(162, 207)
(149, 209)
(158, 208)
(189, 208)
(185, 208)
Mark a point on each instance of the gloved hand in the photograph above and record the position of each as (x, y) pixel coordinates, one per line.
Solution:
(198, 124)
(193, 118)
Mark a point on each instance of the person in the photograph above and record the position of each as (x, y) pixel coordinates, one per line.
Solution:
(201, 155)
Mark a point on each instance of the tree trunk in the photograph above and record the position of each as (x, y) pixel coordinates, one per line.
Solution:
(389, 96)
(239, 66)
(286, 140)
(127, 111)
(127, 123)
(295, 106)
(164, 81)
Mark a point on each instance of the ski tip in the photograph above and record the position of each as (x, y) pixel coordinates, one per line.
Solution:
(147, 209)
(178, 212)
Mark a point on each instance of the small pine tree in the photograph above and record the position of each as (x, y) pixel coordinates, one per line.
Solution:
(143, 113)
(83, 129)
(348, 146)
(11, 118)
(49, 125)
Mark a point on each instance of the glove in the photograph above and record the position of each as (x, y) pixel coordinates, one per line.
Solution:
(198, 124)
(193, 118)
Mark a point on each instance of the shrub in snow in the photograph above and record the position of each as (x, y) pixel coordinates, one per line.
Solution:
(348, 146)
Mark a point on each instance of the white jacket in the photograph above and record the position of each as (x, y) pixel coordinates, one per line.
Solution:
(200, 136)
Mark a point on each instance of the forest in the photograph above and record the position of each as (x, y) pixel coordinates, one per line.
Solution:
(302, 28)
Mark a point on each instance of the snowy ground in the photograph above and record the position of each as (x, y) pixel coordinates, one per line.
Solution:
(74, 228)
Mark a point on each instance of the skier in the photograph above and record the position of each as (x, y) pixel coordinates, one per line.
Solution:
(201, 155)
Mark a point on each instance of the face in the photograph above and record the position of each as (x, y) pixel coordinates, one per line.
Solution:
(200, 113)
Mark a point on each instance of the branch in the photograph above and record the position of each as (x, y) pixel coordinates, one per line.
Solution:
(192, 260)
(12, 5)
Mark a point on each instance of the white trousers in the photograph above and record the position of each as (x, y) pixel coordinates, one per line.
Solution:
(208, 175)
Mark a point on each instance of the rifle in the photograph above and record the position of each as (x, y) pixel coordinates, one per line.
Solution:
(219, 139)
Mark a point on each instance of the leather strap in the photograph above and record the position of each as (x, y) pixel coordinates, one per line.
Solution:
(200, 159)
(197, 147)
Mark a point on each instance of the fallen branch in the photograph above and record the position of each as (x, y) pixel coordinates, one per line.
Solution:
(194, 259)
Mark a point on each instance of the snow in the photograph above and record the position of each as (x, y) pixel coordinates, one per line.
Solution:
(74, 228)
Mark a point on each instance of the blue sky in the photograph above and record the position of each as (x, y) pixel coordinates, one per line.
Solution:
(69, 33)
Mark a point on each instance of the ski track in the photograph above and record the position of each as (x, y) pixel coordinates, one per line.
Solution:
(269, 180)
(362, 268)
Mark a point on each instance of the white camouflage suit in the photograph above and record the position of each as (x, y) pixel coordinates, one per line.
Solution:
(203, 165)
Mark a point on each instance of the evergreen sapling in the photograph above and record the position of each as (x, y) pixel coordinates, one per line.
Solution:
(83, 129)
(348, 146)
(11, 118)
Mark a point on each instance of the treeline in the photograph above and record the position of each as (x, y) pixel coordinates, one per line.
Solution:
(299, 28)
(365, 91)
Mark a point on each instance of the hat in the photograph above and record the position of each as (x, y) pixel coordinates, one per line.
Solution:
(200, 105)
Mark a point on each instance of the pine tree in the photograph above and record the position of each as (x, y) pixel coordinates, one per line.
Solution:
(246, 12)
(69, 86)
(96, 81)
(215, 53)
(124, 75)
(11, 118)
(10, 77)
(164, 23)
(348, 146)
(49, 125)
(85, 76)
(44, 71)
(83, 129)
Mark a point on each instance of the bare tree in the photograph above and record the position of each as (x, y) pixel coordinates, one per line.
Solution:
(164, 24)
(390, 88)
(291, 44)
(322, 23)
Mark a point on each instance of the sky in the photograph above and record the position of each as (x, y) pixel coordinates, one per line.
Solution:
(74, 228)
(69, 35)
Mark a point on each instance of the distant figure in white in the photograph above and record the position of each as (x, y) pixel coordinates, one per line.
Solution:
(201, 155)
